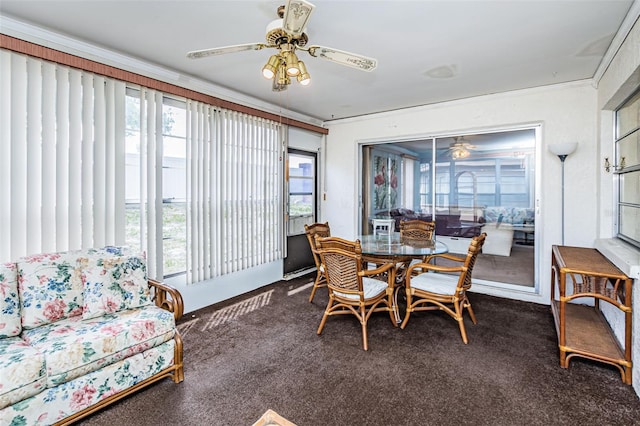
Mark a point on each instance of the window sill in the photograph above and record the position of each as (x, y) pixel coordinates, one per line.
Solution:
(623, 255)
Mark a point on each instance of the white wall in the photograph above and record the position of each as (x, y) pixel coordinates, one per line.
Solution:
(304, 139)
(206, 293)
(566, 113)
(569, 112)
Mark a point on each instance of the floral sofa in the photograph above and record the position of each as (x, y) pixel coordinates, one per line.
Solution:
(511, 215)
(80, 330)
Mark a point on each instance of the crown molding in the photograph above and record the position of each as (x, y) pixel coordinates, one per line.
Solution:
(63, 43)
(627, 24)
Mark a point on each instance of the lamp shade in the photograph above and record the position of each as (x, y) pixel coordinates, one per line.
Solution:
(563, 148)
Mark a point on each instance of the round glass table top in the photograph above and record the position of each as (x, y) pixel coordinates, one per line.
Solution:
(392, 245)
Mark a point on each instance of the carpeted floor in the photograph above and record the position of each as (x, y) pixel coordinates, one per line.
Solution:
(518, 268)
(261, 351)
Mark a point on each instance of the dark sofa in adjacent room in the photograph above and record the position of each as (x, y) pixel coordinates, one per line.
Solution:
(447, 224)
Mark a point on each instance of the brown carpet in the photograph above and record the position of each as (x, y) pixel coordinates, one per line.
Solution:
(518, 268)
(261, 351)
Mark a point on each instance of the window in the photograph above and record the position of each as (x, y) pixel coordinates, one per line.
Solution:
(91, 162)
(204, 187)
(628, 169)
(174, 185)
(302, 170)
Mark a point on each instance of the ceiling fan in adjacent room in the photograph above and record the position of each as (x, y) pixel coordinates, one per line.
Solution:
(287, 35)
(460, 148)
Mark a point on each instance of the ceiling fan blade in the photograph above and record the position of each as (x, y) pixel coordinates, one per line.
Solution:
(296, 15)
(360, 62)
(196, 54)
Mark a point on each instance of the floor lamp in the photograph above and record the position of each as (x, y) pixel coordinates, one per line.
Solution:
(562, 150)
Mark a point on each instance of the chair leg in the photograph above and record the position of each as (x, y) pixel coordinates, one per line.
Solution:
(463, 331)
(313, 292)
(318, 282)
(459, 307)
(392, 302)
(467, 305)
(324, 317)
(363, 323)
(407, 312)
(365, 342)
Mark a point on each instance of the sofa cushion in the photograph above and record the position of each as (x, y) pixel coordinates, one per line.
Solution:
(114, 283)
(50, 288)
(514, 215)
(74, 347)
(22, 371)
(10, 312)
(53, 405)
(438, 283)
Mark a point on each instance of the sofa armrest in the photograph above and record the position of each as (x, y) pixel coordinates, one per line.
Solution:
(173, 303)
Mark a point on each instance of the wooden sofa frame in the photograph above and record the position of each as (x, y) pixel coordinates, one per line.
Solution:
(170, 299)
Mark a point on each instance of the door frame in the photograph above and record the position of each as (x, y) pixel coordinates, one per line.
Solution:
(298, 253)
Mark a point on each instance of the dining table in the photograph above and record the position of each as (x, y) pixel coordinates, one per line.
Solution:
(401, 251)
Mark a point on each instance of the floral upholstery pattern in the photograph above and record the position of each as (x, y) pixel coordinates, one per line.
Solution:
(75, 347)
(10, 312)
(80, 328)
(50, 288)
(51, 285)
(114, 283)
(514, 215)
(62, 401)
(22, 371)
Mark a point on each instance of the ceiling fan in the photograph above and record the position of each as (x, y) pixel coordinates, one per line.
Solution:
(460, 148)
(287, 35)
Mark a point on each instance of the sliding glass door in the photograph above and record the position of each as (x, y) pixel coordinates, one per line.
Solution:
(467, 184)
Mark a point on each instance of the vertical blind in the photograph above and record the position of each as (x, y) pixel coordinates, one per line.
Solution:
(62, 172)
(234, 175)
(61, 158)
(151, 180)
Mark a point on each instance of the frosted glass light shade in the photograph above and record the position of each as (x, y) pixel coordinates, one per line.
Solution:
(563, 148)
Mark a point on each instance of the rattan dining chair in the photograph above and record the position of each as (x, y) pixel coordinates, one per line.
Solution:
(417, 230)
(434, 288)
(322, 230)
(351, 288)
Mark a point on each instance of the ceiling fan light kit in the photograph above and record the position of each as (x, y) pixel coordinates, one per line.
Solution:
(303, 78)
(287, 35)
(283, 77)
(270, 69)
(460, 148)
(460, 153)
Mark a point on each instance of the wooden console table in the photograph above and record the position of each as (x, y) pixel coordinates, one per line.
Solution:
(582, 330)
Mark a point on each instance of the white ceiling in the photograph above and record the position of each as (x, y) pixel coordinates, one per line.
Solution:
(490, 46)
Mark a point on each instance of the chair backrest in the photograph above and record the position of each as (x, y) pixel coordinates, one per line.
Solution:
(320, 229)
(342, 260)
(417, 230)
(383, 226)
(474, 249)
